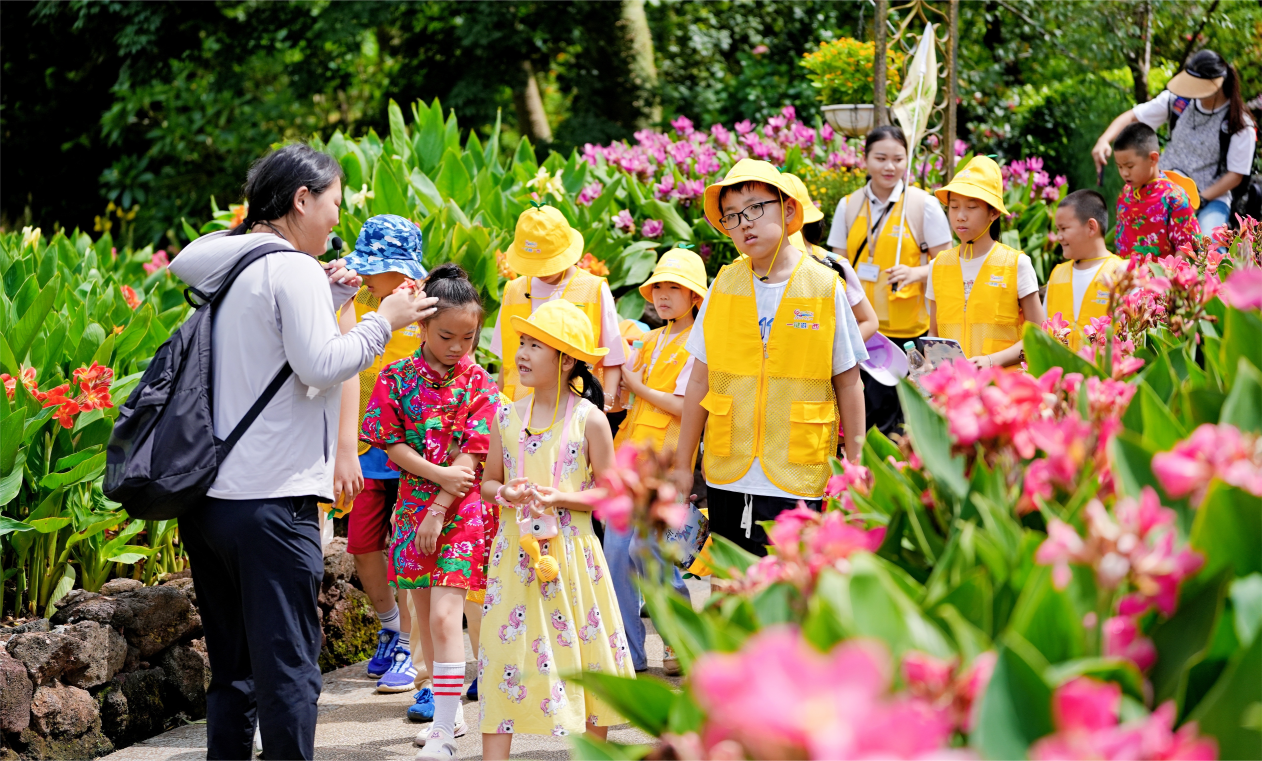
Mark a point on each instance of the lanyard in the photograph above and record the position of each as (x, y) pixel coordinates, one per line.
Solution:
(565, 439)
(648, 372)
(874, 230)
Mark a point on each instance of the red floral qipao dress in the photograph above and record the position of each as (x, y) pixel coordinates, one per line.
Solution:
(440, 416)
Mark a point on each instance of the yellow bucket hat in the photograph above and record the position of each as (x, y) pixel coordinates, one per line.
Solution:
(681, 266)
(749, 170)
(810, 212)
(981, 179)
(1188, 184)
(564, 327)
(544, 243)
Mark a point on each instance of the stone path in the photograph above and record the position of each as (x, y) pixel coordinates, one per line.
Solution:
(357, 723)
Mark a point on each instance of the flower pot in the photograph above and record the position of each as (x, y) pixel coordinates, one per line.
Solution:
(851, 119)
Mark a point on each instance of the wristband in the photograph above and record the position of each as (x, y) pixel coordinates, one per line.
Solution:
(437, 510)
(500, 500)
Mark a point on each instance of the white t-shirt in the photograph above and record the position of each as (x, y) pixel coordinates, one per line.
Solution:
(848, 350)
(610, 337)
(936, 228)
(1239, 151)
(1082, 280)
(1027, 281)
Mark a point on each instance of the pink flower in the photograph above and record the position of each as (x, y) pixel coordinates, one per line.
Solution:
(624, 221)
(682, 125)
(156, 262)
(680, 153)
(744, 127)
(652, 228)
(721, 135)
(1123, 640)
(1051, 194)
(1243, 289)
(826, 133)
(589, 194)
(664, 188)
(1211, 451)
(760, 49)
(690, 189)
(1059, 328)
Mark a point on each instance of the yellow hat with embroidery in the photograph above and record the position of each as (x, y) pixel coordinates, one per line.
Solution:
(810, 212)
(750, 170)
(564, 327)
(544, 243)
(681, 266)
(980, 178)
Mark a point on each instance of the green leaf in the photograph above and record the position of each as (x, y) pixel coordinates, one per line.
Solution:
(774, 605)
(188, 230)
(64, 585)
(8, 525)
(1042, 353)
(135, 556)
(398, 131)
(1183, 639)
(85, 471)
(931, 440)
(48, 525)
(453, 180)
(1132, 463)
(1246, 602)
(1243, 407)
(1233, 707)
(631, 305)
(1227, 531)
(22, 335)
(588, 747)
(1161, 429)
(1016, 710)
(1240, 340)
(11, 483)
(728, 556)
(135, 332)
(675, 225)
(1125, 673)
(389, 196)
(1048, 619)
(643, 700)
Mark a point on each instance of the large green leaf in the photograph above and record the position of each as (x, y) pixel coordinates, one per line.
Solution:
(453, 180)
(1243, 407)
(389, 196)
(11, 482)
(1161, 429)
(31, 320)
(1240, 339)
(1048, 619)
(1015, 711)
(1183, 639)
(1227, 531)
(87, 470)
(643, 700)
(1042, 353)
(1232, 710)
(931, 440)
(1132, 463)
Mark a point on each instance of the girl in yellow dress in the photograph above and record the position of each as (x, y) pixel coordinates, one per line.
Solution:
(550, 608)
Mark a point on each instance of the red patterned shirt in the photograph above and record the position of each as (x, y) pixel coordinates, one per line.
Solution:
(1155, 218)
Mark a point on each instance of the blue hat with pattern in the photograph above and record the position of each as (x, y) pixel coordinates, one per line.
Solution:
(388, 243)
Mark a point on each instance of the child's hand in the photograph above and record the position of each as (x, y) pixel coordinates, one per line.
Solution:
(900, 275)
(983, 361)
(633, 379)
(515, 490)
(455, 479)
(546, 497)
(427, 534)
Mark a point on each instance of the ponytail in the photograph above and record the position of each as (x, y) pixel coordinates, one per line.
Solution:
(592, 391)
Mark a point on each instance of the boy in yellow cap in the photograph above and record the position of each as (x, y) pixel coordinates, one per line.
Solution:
(1078, 289)
(981, 292)
(543, 253)
(775, 361)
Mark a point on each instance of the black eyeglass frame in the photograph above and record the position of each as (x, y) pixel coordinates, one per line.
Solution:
(745, 213)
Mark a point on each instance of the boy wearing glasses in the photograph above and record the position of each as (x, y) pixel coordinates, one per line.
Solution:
(775, 365)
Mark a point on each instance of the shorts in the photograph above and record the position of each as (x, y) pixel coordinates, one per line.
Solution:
(368, 529)
(726, 508)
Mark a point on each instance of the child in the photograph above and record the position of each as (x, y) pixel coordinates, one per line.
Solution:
(546, 451)
(776, 356)
(1077, 289)
(544, 251)
(658, 378)
(387, 252)
(431, 413)
(985, 318)
(1155, 215)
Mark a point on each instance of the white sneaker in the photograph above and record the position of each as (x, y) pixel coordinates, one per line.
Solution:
(462, 728)
(438, 746)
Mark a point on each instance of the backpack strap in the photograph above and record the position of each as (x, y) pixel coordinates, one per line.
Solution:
(854, 204)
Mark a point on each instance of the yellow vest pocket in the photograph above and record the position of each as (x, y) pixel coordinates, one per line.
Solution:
(718, 427)
(651, 424)
(810, 431)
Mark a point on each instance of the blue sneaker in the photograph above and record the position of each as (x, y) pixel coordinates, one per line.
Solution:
(402, 674)
(380, 661)
(423, 709)
(472, 694)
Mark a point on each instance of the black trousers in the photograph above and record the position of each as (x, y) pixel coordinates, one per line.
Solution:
(726, 508)
(257, 566)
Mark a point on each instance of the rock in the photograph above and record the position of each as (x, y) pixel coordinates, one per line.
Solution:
(185, 585)
(74, 596)
(350, 629)
(34, 625)
(47, 655)
(16, 691)
(146, 712)
(153, 618)
(120, 585)
(87, 607)
(112, 704)
(338, 565)
(187, 678)
(99, 659)
(35, 747)
(60, 712)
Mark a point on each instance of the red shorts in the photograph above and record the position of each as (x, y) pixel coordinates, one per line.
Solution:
(368, 528)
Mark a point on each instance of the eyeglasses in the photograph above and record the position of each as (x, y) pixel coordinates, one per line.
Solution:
(750, 213)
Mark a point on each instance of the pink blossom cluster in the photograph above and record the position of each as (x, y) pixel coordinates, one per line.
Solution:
(1243, 288)
(946, 686)
(1120, 350)
(156, 262)
(589, 194)
(778, 697)
(1086, 715)
(1212, 451)
(637, 489)
(1018, 173)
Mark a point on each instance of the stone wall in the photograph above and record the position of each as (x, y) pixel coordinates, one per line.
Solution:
(114, 668)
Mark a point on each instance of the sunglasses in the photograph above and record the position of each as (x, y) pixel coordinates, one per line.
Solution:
(750, 213)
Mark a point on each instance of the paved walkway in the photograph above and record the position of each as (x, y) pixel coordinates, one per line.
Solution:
(357, 723)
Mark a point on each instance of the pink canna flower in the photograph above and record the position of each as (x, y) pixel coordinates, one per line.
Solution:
(156, 262)
(1243, 289)
(682, 125)
(744, 127)
(664, 188)
(1051, 193)
(690, 189)
(624, 221)
(1212, 451)
(1122, 639)
(826, 133)
(652, 228)
(721, 135)
(589, 194)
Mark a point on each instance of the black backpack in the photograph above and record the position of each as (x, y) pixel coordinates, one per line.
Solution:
(163, 455)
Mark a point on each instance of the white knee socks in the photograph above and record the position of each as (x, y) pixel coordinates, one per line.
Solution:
(390, 619)
(448, 684)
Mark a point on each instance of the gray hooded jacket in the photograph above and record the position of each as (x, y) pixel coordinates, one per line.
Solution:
(281, 308)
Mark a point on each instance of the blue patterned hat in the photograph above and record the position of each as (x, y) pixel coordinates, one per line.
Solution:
(388, 243)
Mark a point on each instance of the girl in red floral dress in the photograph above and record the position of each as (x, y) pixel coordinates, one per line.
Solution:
(431, 413)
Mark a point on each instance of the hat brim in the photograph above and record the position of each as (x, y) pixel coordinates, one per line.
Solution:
(646, 290)
(1185, 85)
(366, 264)
(523, 265)
(528, 328)
(972, 191)
(1188, 184)
(886, 363)
(712, 211)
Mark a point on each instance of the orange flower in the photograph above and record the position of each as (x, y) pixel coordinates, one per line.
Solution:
(501, 261)
(28, 380)
(93, 374)
(129, 295)
(66, 412)
(593, 265)
(94, 397)
(238, 214)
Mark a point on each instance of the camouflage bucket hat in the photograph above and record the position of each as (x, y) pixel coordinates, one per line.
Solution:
(388, 243)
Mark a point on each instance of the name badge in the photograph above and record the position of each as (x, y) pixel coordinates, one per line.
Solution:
(868, 272)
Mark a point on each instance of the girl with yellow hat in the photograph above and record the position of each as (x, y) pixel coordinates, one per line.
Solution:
(981, 292)
(776, 361)
(550, 608)
(544, 253)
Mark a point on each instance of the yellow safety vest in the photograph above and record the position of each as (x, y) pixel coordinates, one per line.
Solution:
(776, 402)
(582, 290)
(992, 319)
(1095, 302)
(902, 313)
(403, 343)
(645, 422)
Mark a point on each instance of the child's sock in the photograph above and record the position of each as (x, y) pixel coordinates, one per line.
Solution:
(448, 684)
(405, 640)
(390, 619)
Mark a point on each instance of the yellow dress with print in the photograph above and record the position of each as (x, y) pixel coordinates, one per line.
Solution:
(534, 633)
